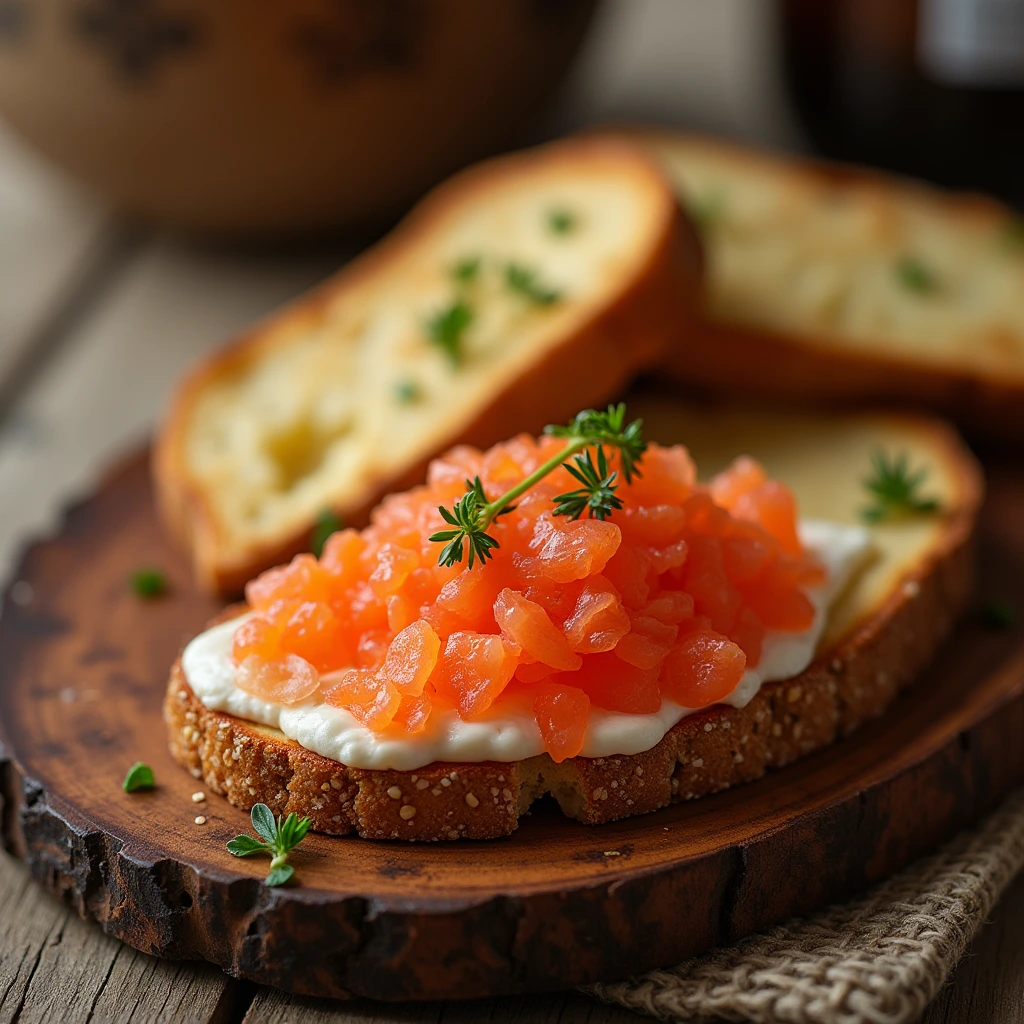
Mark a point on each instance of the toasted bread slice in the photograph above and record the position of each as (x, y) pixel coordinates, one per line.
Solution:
(564, 271)
(882, 631)
(829, 283)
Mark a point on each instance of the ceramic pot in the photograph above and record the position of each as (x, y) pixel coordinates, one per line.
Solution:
(253, 117)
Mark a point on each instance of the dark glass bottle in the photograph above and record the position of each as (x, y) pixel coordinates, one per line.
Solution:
(932, 88)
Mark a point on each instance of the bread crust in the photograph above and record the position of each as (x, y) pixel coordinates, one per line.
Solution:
(727, 358)
(849, 683)
(633, 329)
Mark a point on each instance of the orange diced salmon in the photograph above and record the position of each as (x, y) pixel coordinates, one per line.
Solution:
(411, 658)
(473, 670)
(285, 680)
(526, 624)
(369, 698)
(615, 685)
(562, 717)
(704, 668)
(598, 621)
(257, 636)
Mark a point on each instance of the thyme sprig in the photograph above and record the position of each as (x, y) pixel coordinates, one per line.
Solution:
(895, 489)
(597, 495)
(278, 837)
(591, 432)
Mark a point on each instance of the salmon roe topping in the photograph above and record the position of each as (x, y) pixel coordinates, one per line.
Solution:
(671, 598)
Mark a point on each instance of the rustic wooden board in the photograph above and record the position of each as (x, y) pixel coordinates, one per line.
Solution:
(81, 679)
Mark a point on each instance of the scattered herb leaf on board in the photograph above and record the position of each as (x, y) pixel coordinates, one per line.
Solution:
(149, 583)
(140, 776)
(277, 838)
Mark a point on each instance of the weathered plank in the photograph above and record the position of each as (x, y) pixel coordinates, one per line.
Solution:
(270, 1007)
(53, 237)
(55, 967)
(110, 378)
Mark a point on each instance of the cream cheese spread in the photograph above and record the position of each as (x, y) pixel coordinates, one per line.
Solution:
(511, 733)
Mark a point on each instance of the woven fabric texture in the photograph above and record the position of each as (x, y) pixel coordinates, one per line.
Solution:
(878, 960)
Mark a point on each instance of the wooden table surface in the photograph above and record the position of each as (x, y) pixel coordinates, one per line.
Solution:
(97, 319)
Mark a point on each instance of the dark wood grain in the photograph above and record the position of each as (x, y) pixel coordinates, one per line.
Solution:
(81, 681)
(988, 986)
(54, 966)
(272, 1007)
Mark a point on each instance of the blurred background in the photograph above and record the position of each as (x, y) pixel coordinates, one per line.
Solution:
(136, 136)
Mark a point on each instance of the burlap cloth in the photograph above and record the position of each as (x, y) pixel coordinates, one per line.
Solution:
(878, 960)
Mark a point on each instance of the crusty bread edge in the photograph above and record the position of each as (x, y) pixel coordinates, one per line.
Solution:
(636, 326)
(846, 685)
(729, 358)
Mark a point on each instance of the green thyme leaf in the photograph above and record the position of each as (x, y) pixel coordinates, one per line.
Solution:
(140, 776)
(999, 615)
(280, 875)
(264, 823)
(447, 329)
(467, 269)
(895, 489)
(149, 583)
(246, 846)
(407, 392)
(562, 221)
(916, 276)
(523, 281)
(597, 495)
(326, 524)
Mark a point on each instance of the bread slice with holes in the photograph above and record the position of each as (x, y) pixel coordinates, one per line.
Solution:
(516, 294)
(882, 630)
(831, 284)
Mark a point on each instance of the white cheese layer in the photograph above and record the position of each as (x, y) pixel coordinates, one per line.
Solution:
(510, 733)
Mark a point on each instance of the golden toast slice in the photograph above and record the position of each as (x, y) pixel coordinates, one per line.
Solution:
(515, 294)
(829, 283)
(882, 631)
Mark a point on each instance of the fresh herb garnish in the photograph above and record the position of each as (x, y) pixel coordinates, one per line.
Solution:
(467, 269)
(277, 838)
(523, 281)
(916, 276)
(999, 615)
(895, 489)
(447, 327)
(561, 221)
(708, 209)
(140, 776)
(326, 524)
(407, 392)
(597, 495)
(149, 583)
(472, 515)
